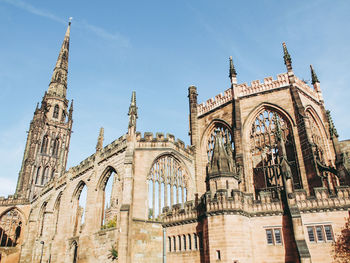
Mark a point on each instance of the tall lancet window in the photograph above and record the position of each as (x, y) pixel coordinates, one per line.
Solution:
(56, 145)
(167, 185)
(56, 111)
(226, 137)
(264, 152)
(44, 144)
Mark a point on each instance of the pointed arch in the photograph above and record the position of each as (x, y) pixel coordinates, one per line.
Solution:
(208, 136)
(41, 218)
(56, 211)
(37, 176)
(168, 181)
(11, 224)
(56, 145)
(44, 144)
(261, 153)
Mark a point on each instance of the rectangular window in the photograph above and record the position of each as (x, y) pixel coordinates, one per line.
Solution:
(319, 233)
(278, 238)
(329, 232)
(218, 255)
(269, 236)
(310, 231)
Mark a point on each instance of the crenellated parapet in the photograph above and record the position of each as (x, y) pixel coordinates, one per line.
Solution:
(215, 102)
(12, 200)
(323, 200)
(159, 141)
(180, 215)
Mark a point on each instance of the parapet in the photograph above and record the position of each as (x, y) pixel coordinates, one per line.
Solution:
(149, 140)
(255, 87)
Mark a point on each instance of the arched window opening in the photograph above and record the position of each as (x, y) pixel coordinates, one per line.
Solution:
(316, 138)
(169, 243)
(81, 196)
(265, 155)
(57, 211)
(179, 239)
(56, 145)
(184, 241)
(10, 228)
(226, 137)
(56, 111)
(174, 243)
(37, 177)
(195, 241)
(45, 176)
(64, 115)
(42, 219)
(110, 200)
(44, 144)
(167, 185)
(75, 252)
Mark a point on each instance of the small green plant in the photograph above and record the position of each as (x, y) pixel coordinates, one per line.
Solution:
(110, 224)
(113, 254)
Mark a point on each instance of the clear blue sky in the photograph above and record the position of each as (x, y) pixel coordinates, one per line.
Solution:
(158, 49)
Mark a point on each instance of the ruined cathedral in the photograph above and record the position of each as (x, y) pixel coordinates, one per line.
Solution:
(265, 179)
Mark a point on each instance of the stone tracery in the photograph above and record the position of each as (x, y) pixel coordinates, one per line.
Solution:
(167, 184)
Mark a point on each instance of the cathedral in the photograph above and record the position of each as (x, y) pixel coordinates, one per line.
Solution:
(265, 179)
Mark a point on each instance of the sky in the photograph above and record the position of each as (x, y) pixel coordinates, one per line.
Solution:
(158, 49)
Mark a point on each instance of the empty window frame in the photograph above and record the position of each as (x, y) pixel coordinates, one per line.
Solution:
(274, 236)
(320, 233)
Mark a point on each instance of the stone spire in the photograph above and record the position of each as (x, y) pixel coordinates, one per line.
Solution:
(314, 78)
(232, 73)
(99, 145)
(220, 163)
(58, 84)
(287, 58)
(132, 114)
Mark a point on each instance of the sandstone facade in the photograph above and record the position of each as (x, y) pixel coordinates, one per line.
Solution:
(264, 180)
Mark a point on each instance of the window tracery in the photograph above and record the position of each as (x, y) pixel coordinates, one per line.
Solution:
(316, 138)
(167, 182)
(265, 155)
(227, 138)
(10, 228)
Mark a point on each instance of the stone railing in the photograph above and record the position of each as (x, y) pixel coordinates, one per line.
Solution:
(148, 140)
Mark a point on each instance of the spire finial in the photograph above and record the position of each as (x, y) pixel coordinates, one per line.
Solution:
(132, 114)
(232, 73)
(70, 20)
(286, 57)
(100, 138)
(314, 78)
(58, 84)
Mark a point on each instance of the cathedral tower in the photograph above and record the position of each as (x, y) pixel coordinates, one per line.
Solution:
(46, 150)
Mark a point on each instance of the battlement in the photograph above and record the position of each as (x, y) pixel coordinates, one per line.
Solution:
(255, 87)
(177, 214)
(323, 200)
(148, 140)
(114, 147)
(12, 200)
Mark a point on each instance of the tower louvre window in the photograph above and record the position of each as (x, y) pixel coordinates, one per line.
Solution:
(56, 145)
(56, 111)
(37, 175)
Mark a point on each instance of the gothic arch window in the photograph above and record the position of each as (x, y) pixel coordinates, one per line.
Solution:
(57, 211)
(265, 155)
(227, 138)
(167, 185)
(56, 145)
(42, 218)
(56, 111)
(45, 176)
(10, 228)
(44, 144)
(316, 138)
(37, 177)
(111, 186)
(80, 197)
(74, 251)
